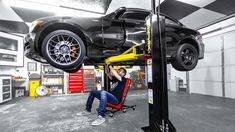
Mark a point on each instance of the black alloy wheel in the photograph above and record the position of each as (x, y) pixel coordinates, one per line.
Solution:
(63, 49)
(186, 58)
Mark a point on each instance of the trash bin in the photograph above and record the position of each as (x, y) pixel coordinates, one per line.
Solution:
(34, 82)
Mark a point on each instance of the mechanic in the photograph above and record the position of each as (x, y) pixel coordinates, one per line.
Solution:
(114, 96)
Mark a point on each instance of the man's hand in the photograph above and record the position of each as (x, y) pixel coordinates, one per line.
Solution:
(107, 71)
(114, 73)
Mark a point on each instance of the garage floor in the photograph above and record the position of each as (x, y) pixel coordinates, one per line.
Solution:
(189, 113)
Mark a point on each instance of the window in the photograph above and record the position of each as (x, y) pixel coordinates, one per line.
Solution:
(134, 15)
(8, 44)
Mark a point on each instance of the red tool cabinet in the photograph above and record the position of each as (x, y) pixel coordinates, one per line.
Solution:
(89, 79)
(76, 81)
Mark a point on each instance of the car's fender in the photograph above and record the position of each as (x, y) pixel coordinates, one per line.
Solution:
(190, 39)
(60, 24)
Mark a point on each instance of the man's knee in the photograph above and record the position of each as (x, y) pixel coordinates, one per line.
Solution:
(103, 93)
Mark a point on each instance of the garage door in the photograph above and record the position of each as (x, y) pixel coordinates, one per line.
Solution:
(206, 78)
(229, 63)
(215, 74)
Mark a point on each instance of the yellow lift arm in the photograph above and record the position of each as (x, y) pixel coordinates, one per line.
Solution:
(130, 54)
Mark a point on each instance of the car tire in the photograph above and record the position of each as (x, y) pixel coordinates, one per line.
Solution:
(186, 57)
(63, 49)
(73, 70)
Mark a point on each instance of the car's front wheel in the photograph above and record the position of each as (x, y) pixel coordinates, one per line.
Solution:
(73, 70)
(186, 57)
(63, 49)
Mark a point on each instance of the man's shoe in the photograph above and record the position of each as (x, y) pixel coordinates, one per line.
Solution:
(98, 121)
(83, 113)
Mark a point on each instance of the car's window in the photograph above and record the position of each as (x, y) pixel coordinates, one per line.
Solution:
(134, 16)
(169, 21)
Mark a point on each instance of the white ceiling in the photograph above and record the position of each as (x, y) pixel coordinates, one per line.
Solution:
(194, 19)
(200, 17)
(7, 13)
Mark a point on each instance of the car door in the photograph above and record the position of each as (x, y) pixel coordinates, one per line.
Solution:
(112, 33)
(134, 25)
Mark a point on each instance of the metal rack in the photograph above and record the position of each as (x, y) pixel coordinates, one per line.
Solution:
(52, 78)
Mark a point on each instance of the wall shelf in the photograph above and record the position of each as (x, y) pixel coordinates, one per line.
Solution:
(52, 78)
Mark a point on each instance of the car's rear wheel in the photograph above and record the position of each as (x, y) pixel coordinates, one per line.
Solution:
(63, 49)
(186, 57)
(73, 70)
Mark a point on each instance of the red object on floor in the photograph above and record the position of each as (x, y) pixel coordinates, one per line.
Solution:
(76, 81)
(119, 106)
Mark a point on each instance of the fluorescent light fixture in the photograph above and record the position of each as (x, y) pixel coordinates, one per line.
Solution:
(58, 11)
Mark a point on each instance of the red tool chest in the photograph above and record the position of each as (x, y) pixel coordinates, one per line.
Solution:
(76, 81)
(89, 80)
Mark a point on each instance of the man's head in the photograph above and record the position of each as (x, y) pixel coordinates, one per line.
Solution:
(122, 72)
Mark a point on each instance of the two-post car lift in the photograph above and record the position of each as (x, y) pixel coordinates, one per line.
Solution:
(156, 72)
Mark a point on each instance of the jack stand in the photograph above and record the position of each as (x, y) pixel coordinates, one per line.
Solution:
(157, 76)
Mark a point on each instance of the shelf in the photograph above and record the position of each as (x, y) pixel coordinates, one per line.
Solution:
(52, 84)
(52, 74)
(89, 78)
(19, 80)
(20, 87)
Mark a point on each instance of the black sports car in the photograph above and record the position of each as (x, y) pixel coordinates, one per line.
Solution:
(67, 42)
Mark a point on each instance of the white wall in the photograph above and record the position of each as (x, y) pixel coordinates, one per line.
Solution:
(175, 74)
(23, 71)
(229, 63)
(19, 71)
(206, 78)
